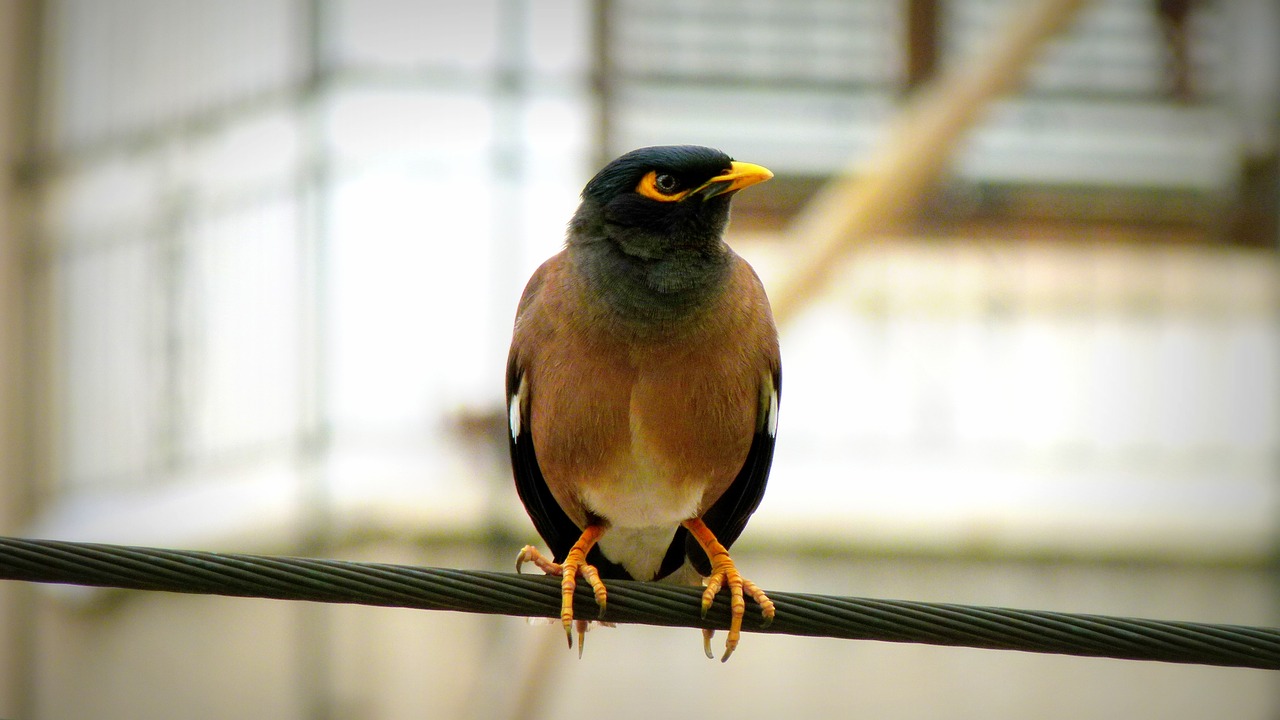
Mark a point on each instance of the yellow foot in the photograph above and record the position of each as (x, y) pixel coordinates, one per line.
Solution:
(725, 573)
(574, 563)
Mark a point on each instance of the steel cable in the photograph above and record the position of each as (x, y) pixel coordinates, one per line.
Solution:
(337, 581)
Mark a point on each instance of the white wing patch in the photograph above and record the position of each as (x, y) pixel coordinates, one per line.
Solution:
(773, 412)
(769, 406)
(513, 408)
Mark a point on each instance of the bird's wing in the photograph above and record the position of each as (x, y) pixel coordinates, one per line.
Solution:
(728, 516)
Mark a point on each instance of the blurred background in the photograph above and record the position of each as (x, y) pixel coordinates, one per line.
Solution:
(259, 262)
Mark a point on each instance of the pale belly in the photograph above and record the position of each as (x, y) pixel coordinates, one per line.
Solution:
(636, 495)
(643, 504)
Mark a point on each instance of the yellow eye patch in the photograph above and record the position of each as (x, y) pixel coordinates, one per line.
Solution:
(648, 187)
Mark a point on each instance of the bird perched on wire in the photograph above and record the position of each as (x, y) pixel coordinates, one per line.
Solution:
(643, 384)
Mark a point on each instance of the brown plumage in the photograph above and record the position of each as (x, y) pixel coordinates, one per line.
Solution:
(643, 382)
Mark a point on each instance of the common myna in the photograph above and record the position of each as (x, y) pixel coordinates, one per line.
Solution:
(643, 383)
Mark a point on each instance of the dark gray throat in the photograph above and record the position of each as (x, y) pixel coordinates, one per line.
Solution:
(653, 292)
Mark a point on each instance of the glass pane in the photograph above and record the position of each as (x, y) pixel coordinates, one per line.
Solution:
(413, 34)
(240, 333)
(127, 65)
(114, 367)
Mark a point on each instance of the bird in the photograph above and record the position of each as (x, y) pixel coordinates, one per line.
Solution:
(642, 386)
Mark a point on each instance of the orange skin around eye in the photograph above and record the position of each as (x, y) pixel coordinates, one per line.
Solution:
(648, 187)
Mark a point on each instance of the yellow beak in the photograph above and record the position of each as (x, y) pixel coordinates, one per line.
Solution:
(739, 175)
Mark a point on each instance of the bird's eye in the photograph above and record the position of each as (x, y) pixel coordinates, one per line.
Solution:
(662, 187)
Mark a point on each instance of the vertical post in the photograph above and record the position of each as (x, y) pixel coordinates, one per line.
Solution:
(602, 77)
(509, 163)
(314, 196)
(1251, 93)
(24, 430)
(922, 41)
(1175, 16)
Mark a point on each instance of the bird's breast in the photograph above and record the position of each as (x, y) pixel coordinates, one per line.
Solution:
(683, 436)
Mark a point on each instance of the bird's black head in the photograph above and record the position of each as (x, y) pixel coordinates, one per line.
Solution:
(662, 198)
(655, 218)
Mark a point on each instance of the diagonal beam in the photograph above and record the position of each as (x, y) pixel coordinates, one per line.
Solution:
(920, 145)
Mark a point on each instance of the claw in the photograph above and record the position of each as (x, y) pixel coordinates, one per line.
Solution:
(582, 636)
(725, 573)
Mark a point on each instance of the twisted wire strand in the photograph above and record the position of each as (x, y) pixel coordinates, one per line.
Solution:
(337, 581)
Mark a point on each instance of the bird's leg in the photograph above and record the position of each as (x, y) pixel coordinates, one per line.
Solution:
(574, 562)
(724, 572)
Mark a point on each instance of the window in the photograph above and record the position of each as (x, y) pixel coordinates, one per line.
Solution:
(286, 239)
